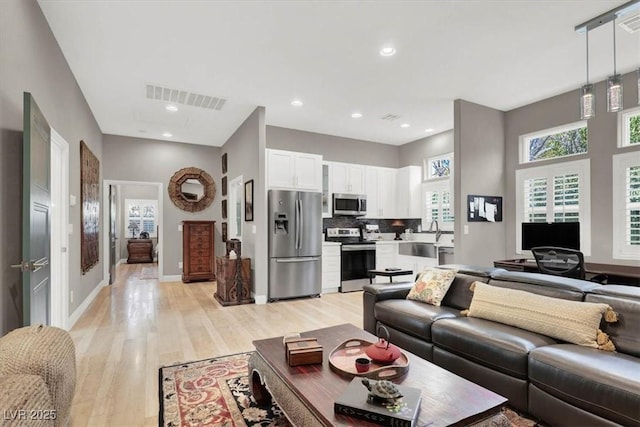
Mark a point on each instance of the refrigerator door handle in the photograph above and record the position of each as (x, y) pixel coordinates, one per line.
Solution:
(298, 216)
(305, 259)
(300, 224)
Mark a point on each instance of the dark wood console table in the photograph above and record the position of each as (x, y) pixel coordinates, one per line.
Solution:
(618, 274)
(229, 291)
(140, 250)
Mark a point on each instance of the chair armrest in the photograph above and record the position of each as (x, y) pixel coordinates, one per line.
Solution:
(378, 292)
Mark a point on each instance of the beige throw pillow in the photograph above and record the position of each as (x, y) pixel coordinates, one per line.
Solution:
(432, 286)
(571, 321)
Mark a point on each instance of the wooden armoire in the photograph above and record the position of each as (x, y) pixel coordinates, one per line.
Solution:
(198, 254)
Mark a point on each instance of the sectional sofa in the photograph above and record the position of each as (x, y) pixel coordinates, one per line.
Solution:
(552, 380)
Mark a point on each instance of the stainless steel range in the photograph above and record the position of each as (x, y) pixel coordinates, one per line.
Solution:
(357, 257)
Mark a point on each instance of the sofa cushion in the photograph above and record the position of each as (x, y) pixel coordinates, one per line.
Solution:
(500, 347)
(459, 294)
(625, 301)
(432, 285)
(604, 383)
(412, 317)
(571, 321)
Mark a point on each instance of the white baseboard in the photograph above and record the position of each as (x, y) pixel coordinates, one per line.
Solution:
(330, 290)
(174, 278)
(260, 299)
(121, 261)
(85, 304)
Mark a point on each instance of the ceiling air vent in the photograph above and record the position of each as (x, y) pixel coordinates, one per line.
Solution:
(165, 94)
(631, 23)
(390, 117)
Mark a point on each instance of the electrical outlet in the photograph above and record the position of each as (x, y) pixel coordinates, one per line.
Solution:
(180, 265)
(180, 227)
(71, 297)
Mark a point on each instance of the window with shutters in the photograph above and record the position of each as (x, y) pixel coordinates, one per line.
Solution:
(555, 193)
(141, 216)
(626, 205)
(561, 141)
(438, 204)
(629, 127)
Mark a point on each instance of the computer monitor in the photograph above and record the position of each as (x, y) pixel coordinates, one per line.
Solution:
(559, 234)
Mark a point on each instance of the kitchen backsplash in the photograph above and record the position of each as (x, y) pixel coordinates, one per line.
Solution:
(384, 224)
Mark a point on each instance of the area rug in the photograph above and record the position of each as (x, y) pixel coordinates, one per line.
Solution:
(215, 392)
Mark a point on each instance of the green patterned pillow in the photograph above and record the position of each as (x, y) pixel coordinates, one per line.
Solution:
(432, 286)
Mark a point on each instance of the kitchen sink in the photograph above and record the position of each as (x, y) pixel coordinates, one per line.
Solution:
(421, 249)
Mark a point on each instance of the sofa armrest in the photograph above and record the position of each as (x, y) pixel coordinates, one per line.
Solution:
(25, 401)
(379, 292)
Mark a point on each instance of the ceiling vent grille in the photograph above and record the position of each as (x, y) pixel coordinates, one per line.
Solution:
(165, 94)
(631, 23)
(390, 117)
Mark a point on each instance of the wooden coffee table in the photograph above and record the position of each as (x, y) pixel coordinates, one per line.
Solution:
(307, 393)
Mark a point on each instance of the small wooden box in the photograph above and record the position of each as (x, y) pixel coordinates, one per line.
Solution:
(303, 351)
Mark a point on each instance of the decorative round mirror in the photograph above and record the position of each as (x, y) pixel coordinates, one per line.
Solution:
(192, 189)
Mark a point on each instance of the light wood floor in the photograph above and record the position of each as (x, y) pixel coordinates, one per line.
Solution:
(137, 325)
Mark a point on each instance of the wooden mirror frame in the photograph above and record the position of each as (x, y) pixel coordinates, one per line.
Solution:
(175, 189)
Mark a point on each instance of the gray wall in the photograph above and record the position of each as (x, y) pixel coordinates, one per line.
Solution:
(479, 169)
(147, 160)
(559, 110)
(245, 156)
(413, 153)
(32, 62)
(333, 148)
(130, 191)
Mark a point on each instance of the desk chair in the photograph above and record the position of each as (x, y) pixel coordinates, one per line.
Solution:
(559, 261)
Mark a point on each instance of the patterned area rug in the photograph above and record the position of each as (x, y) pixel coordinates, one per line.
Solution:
(213, 392)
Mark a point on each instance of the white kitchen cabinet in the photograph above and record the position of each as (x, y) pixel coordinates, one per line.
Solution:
(347, 178)
(386, 256)
(330, 268)
(381, 192)
(291, 170)
(327, 196)
(416, 263)
(408, 199)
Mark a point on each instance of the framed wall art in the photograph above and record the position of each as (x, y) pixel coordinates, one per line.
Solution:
(224, 186)
(248, 200)
(90, 208)
(484, 208)
(224, 231)
(224, 209)
(224, 163)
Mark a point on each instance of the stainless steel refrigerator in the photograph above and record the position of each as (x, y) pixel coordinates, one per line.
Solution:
(295, 244)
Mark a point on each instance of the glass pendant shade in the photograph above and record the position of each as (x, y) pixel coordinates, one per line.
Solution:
(587, 102)
(614, 93)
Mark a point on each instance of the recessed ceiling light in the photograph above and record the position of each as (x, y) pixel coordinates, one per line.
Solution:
(167, 135)
(356, 115)
(171, 108)
(428, 130)
(297, 103)
(387, 50)
(405, 125)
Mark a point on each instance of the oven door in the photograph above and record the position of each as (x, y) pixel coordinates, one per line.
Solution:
(356, 261)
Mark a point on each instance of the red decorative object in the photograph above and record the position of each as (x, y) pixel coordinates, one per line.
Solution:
(383, 351)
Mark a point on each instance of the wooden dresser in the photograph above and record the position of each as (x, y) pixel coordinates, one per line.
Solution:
(140, 250)
(228, 287)
(198, 254)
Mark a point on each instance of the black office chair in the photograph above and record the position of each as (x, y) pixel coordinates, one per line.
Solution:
(559, 261)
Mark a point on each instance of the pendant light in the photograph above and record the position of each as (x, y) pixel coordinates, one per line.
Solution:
(638, 77)
(587, 96)
(614, 83)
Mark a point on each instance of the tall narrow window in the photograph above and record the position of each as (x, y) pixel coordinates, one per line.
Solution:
(141, 216)
(438, 204)
(626, 205)
(629, 127)
(555, 193)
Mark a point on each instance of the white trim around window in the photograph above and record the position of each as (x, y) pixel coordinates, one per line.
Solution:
(524, 140)
(624, 197)
(624, 126)
(579, 167)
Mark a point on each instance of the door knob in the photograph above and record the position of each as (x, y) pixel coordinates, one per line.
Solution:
(23, 266)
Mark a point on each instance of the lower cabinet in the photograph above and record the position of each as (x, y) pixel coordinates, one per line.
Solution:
(416, 263)
(330, 268)
(139, 250)
(233, 280)
(198, 256)
(386, 257)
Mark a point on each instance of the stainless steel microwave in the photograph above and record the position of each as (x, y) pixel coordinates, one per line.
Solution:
(349, 204)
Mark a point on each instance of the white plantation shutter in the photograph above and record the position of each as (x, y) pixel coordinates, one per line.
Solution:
(555, 193)
(626, 205)
(438, 204)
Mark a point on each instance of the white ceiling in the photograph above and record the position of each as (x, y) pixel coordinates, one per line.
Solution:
(502, 54)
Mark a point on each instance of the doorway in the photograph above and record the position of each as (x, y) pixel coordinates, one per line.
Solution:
(120, 223)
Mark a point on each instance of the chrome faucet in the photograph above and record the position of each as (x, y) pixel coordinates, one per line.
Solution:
(438, 232)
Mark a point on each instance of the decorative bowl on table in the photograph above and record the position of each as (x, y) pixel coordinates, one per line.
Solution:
(342, 360)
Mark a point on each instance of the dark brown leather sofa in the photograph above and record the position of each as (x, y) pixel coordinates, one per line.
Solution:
(556, 382)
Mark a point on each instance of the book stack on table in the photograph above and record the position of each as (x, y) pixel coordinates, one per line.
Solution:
(354, 402)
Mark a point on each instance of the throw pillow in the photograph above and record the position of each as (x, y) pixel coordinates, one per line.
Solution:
(432, 285)
(576, 322)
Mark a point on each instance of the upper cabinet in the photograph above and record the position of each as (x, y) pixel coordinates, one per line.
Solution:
(408, 195)
(327, 208)
(347, 178)
(381, 192)
(294, 171)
